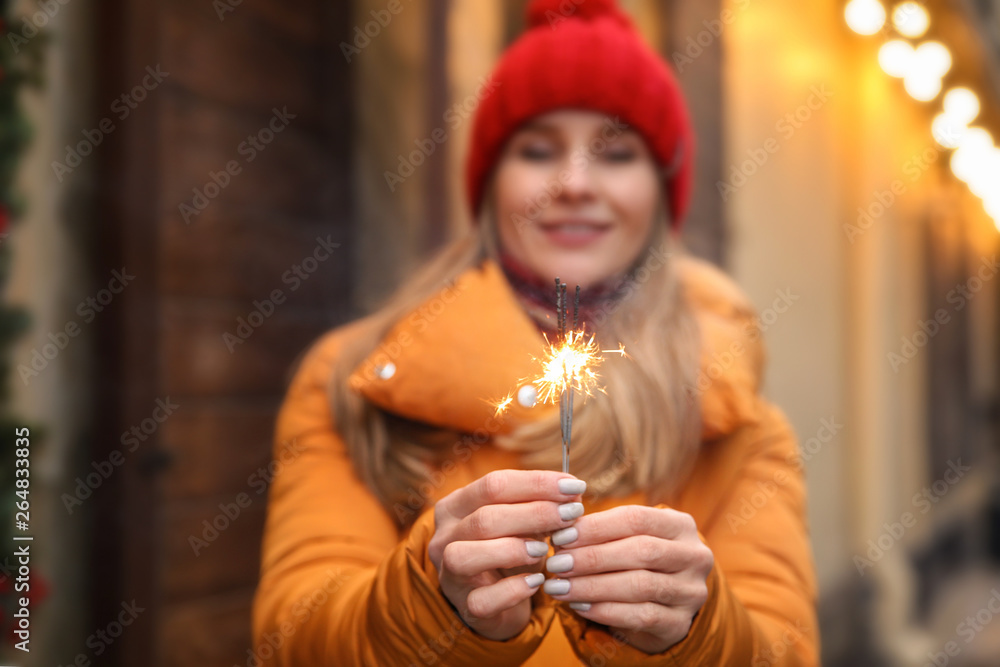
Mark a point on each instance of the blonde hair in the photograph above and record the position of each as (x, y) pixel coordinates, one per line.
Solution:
(641, 434)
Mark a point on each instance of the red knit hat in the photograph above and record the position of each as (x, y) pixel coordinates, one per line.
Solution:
(585, 54)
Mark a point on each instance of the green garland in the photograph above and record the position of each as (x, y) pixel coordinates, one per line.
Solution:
(20, 65)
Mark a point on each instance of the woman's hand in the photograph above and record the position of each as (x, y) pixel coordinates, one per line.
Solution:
(639, 569)
(487, 536)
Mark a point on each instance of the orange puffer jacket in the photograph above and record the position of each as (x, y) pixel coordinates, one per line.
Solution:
(342, 585)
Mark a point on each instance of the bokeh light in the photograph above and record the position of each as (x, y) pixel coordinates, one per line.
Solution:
(910, 19)
(961, 105)
(922, 85)
(947, 131)
(865, 17)
(896, 56)
(933, 58)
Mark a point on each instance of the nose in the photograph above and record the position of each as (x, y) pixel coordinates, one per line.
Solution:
(578, 178)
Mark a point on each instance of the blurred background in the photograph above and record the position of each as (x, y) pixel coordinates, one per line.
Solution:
(194, 190)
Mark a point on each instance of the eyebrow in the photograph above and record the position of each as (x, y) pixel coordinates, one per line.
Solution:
(538, 126)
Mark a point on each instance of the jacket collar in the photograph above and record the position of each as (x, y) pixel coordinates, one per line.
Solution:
(472, 344)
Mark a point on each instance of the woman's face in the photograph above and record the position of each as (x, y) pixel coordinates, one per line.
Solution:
(576, 196)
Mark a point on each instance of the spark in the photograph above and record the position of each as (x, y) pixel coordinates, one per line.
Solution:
(500, 407)
(570, 364)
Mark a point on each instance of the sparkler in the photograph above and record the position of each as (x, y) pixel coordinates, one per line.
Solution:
(570, 366)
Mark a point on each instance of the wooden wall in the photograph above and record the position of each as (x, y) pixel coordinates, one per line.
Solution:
(230, 64)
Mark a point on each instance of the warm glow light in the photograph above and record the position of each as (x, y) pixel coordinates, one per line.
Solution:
(973, 154)
(947, 131)
(985, 172)
(992, 206)
(910, 19)
(933, 58)
(865, 17)
(961, 165)
(896, 56)
(922, 85)
(569, 365)
(961, 105)
(977, 139)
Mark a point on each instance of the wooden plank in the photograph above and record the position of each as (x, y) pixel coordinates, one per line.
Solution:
(704, 229)
(283, 173)
(216, 447)
(124, 556)
(250, 59)
(245, 258)
(211, 632)
(197, 361)
(212, 545)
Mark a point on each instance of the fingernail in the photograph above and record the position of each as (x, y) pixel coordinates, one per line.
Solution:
(580, 606)
(572, 487)
(570, 511)
(560, 563)
(556, 586)
(565, 536)
(534, 580)
(536, 549)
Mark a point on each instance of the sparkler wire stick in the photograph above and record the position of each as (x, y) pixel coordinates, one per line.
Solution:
(566, 396)
(569, 366)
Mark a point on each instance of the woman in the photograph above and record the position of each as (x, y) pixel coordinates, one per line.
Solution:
(411, 524)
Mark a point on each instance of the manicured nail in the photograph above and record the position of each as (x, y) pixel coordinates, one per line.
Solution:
(580, 606)
(556, 586)
(565, 536)
(570, 511)
(572, 487)
(560, 563)
(534, 580)
(536, 549)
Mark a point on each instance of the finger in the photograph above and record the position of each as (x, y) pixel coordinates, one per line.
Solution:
(631, 616)
(527, 519)
(640, 552)
(633, 587)
(469, 558)
(638, 619)
(513, 486)
(627, 520)
(488, 601)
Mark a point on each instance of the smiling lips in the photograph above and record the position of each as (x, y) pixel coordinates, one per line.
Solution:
(574, 233)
